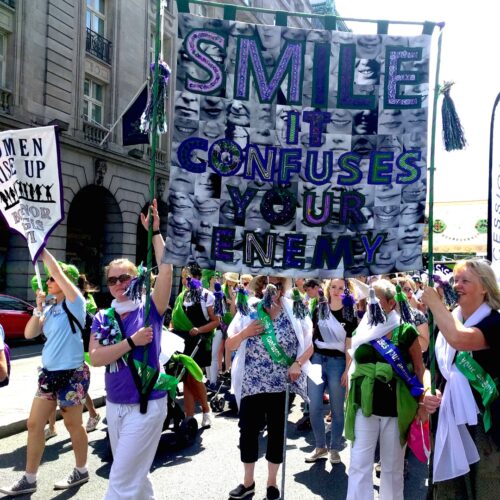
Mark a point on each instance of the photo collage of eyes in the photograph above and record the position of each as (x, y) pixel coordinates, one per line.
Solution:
(200, 202)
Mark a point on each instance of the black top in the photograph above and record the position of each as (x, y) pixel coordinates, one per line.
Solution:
(349, 327)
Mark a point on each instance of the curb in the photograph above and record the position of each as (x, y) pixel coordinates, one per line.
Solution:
(20, 425)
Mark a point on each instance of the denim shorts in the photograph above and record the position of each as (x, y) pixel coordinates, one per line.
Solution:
(72, 393)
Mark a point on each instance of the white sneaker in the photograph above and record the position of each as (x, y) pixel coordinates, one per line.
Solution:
(206, 421)
(92, 423)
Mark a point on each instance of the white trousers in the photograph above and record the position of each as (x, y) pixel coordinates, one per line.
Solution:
(134, 439)
(213, 370)
(369, 430)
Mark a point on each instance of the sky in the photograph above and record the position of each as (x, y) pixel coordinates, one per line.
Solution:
(469, 57)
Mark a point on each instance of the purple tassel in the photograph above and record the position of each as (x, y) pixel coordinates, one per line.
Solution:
(269, 293)
(323, 306)
(375, 314)
(242, 301)
(450, 296)
(159, 102)
(195, 289)
(299, 309)
(220, 300)
(134, 290)
(348, 303)
(404, 308)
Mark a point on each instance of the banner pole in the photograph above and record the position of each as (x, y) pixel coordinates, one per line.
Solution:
(430, 249)
(152, 168)
(490, 253)
(38, 276)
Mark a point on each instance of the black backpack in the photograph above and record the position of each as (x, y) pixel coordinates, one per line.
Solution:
(73, 323)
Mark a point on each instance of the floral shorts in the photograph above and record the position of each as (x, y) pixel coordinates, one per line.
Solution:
(68, 389)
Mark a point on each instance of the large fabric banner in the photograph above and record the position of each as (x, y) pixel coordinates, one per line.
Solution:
(31, 198)
(298, 151)
(494, 191)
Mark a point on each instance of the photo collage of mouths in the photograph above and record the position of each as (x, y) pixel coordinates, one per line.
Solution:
(199, 202)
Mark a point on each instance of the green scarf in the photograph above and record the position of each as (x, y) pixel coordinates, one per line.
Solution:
(278, 355)
(363, 380)
(180, 321)
(481, 381)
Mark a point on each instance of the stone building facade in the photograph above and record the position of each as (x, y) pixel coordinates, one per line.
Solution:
(78, 64)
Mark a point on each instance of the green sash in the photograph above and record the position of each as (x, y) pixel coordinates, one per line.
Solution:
(481, 381)
(278, 355)
(145, 373)
(180, 321)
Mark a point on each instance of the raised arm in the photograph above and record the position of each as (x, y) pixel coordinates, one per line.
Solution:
(163, 283)
(69, 290)
(457, 335)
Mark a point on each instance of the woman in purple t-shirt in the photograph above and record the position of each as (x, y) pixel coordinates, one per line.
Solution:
(119, 341)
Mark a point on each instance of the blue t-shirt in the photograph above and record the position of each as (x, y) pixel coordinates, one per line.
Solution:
(2, 339)
(63, 349)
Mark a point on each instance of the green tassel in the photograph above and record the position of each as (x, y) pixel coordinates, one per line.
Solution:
(453, 132)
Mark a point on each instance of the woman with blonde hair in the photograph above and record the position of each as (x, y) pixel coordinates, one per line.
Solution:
(124, 338)
(467, 447)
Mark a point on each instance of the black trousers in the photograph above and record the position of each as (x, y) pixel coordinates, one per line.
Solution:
(268, 408)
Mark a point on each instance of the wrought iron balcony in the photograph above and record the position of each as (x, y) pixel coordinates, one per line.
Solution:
(10, 3)
(98, 46)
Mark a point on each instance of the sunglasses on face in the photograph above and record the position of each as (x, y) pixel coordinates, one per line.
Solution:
(246, 283)
(50, 279)
(113, 280)
(278, 285)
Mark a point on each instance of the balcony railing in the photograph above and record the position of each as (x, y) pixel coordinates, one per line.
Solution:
(10, 3)
(94, 133)
(5, 100)
(98, 46)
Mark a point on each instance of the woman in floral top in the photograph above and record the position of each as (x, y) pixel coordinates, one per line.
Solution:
(259, 380)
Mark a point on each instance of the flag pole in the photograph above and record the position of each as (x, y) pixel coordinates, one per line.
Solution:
(123, 112)
(430, 249)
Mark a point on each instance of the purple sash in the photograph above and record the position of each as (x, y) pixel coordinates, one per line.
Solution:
(392, 355)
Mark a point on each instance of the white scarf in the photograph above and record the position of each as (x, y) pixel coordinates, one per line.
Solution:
(455, 450)
(333, 334)
(303, 331)
(365, 333)
(125, 306)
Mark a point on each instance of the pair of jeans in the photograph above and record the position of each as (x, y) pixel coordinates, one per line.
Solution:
(332, 369)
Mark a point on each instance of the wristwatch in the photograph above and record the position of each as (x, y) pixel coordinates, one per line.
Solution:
(37, 313)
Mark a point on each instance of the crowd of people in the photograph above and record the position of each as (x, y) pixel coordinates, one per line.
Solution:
(359, 344)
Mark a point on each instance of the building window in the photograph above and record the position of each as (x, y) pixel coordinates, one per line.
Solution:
(3, 58)
(96, 16)
(93, 101)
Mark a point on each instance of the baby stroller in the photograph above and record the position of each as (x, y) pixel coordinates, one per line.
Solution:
(185, 429)
(223, 395)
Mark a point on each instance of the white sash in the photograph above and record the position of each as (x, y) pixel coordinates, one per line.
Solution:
(365, 333)
(455, 450)
(333, 334)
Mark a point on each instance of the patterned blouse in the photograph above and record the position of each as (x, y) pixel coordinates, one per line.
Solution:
(262, 374)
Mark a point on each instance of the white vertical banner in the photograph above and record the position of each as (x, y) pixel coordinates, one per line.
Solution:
(31, 199)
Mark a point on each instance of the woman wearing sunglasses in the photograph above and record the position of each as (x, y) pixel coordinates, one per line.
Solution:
(64, 378)
(122, 336)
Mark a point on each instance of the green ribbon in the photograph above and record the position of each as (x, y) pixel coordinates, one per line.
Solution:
(480, 380)
(278, 355)
(165, 382)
